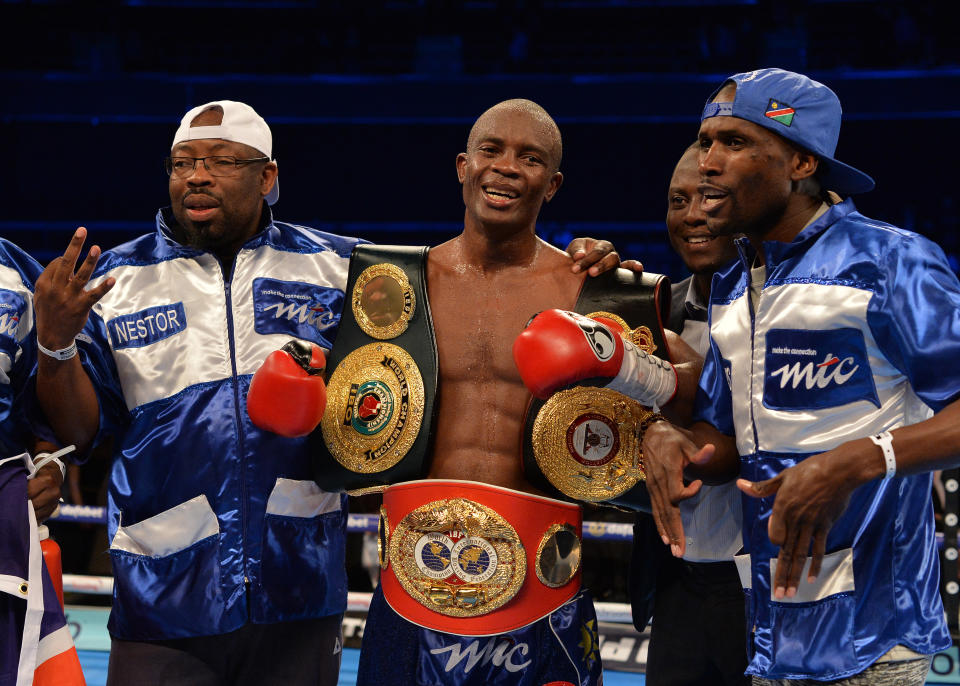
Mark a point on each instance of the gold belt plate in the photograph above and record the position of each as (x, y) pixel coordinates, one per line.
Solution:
(375, 403)
(457, 557)
(383, 301)
(585, 442)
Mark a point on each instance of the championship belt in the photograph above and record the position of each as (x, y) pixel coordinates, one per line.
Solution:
(383, 381)
(582, 442)
(476, 560)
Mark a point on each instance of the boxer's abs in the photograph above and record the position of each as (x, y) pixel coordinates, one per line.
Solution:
(481, 398)
(478, 432)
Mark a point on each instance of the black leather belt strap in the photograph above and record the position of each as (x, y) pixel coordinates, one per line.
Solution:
(640, 300)
(418, 340)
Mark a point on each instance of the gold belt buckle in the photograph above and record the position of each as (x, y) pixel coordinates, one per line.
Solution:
(457, 557)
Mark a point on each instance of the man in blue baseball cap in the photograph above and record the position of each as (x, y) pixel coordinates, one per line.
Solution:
(825, 388)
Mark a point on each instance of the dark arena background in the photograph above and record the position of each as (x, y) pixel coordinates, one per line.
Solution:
(369, 103)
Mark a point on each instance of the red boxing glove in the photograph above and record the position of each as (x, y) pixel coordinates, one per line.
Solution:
(287, 394)
(560, 348)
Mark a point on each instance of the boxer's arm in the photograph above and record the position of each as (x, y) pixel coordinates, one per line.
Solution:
(688, 365)
(811, 495)
(62, 303)
(559, 348)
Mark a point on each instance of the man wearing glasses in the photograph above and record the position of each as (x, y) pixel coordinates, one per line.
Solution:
(227, 557)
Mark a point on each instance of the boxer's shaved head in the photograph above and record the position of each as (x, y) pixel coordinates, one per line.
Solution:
(547, 126)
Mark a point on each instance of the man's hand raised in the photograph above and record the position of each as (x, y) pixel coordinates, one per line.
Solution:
(61, 300)
(62, 303)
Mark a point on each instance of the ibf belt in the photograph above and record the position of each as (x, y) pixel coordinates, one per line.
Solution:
(476, 560)
(382, 386)
(583, 441)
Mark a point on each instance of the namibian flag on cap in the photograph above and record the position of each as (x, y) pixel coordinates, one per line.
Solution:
(780, 112)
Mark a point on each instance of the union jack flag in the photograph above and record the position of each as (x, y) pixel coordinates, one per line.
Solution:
(36, 646)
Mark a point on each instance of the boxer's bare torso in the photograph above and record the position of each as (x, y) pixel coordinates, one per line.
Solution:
(479, 307)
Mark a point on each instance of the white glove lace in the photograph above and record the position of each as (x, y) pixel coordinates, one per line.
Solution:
(646, 378)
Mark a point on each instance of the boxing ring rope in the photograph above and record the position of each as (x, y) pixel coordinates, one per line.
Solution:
(592, 530)
(356, 523)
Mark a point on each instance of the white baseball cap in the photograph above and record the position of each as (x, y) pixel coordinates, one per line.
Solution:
(240, 124)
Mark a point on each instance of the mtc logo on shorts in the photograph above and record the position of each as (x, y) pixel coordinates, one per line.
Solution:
(146, 326)
(816, 369)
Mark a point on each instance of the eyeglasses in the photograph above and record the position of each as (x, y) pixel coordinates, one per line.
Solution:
(216, 165)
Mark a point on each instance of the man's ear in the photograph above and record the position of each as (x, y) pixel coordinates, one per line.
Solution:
(461, 166)
(804, 165)
(268, 177)
(555, 182)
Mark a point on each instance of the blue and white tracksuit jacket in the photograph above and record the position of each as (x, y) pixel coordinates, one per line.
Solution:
(856, 331)
(18, 273)
(212, 521)
(32, 626)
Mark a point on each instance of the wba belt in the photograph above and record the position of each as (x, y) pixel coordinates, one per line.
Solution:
(476, 560)
(582, 442)
(383, 375)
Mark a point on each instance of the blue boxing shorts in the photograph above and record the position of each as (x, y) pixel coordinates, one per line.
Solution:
(560, 650)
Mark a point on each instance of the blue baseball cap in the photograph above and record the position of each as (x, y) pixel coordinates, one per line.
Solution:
(799, 109)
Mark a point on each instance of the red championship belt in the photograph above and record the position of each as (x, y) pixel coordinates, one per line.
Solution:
(477, 560)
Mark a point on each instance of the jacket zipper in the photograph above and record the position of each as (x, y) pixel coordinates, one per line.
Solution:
(227, 288)
(753, 351)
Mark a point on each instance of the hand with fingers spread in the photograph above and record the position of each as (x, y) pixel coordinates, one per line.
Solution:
(808, 498)
(667, 452)
(596, 257)
(62, 303)
(61, 299)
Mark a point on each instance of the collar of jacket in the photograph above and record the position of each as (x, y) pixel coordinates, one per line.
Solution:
(776, 252)
(167, 244)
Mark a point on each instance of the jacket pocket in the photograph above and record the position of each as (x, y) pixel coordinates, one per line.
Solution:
(814, 638)
(814, 630)
(302, 569)
(167, 574)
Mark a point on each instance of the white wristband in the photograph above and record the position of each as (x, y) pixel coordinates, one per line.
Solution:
(885, 441)
(62, 354)
(43, 459)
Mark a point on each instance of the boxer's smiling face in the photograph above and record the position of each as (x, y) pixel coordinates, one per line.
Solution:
(218, 213)
(701, 251)
(509, 169)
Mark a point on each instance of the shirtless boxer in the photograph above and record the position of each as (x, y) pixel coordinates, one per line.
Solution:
(484, 285)
(464, 599)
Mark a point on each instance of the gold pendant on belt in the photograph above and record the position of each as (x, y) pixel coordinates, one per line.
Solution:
(585, 442)
(457, 557)
(375, 402)
(383, 301)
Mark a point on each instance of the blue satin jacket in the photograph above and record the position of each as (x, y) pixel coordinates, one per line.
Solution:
(18, 272)
(856, 331)
(212, 521)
